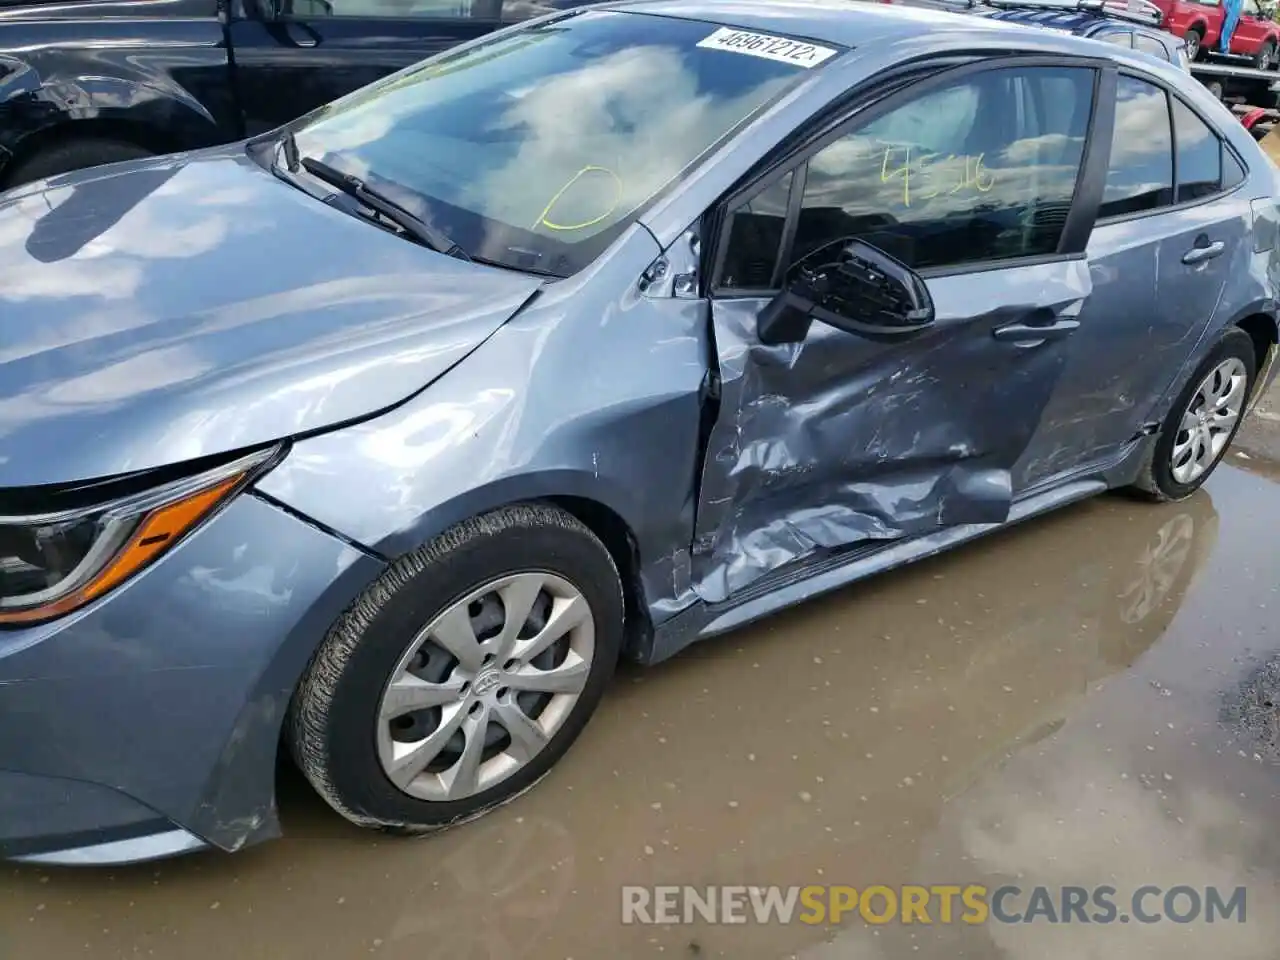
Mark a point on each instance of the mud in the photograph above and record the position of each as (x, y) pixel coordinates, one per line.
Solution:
(1077, 701)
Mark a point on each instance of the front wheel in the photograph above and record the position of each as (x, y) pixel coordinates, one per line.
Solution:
(1202, 422)
(460, 676)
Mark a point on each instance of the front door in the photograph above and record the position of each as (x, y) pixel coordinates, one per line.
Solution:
(852, 438)
(1252, 29)
(295, 55)
(1159, 258)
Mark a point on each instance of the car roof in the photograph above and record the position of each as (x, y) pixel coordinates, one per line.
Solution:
(1079, 22)
(849, 23)
(1074, 21)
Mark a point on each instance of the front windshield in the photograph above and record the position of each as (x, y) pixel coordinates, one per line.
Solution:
(537, 149)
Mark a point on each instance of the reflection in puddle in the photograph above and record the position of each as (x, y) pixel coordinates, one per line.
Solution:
(1038, 708)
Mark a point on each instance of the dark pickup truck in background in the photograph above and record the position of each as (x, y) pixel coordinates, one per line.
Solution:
(84, 82)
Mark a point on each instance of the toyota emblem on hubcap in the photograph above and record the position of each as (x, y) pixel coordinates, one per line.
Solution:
(486, 682)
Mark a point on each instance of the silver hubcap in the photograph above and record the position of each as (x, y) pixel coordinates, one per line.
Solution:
(483, 689)
(1209, 420)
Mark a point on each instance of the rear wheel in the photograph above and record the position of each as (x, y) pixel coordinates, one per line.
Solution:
(1202, 422)
(1265, 59)
(463, 674)
(1195, 43)
(73, 155)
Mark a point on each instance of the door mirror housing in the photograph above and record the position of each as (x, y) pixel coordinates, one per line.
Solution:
(864, 292)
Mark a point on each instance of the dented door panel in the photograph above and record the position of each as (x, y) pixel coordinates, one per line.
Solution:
(844, 439)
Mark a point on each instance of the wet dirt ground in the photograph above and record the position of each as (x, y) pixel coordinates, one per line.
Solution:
(1259, 435)
(1087, 699)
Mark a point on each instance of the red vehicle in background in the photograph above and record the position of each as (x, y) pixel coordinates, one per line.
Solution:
(1199, 22)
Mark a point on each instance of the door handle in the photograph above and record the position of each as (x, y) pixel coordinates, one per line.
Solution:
(1201, 254)
(302, 35)
(1029, 333)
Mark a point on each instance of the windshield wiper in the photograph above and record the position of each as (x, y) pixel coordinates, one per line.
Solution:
(353, 186)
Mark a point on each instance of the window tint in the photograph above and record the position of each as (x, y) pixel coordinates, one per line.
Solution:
(1151, 45)
(1121, 38)
(982, 169)
(1140, 176)
(755, 236)
(1199, 154)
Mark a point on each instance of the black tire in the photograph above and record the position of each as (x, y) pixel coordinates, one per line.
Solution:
(333, 715)
(73, 155)
(1195, 43)
(1265, 59)
(1155, 479)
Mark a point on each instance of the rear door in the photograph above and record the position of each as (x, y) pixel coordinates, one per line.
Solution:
(846, 439)
(292, 56)
(1159, 256)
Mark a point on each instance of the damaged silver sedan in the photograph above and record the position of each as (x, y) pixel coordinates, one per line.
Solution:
(384, 436)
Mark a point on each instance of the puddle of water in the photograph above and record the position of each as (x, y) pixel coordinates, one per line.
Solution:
(1042, 707)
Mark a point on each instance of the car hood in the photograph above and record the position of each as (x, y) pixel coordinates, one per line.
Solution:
(163, 310)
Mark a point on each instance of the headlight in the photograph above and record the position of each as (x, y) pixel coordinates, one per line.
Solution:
(52, 563)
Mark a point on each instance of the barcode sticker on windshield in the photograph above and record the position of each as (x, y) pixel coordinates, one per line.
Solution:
(797, 52)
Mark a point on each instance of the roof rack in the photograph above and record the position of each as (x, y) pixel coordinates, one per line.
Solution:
(1136, 11)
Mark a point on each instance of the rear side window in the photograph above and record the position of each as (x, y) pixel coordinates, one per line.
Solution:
(1151, 45)
(978, 170)
(1232, 170)
(1199, 154)
(1140, 175)
(1119, 38)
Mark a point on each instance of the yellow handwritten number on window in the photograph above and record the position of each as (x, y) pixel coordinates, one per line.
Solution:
(897, 161)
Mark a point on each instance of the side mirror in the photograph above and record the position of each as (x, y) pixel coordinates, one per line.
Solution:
(865, 292)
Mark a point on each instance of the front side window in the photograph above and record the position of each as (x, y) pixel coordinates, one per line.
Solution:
(536, 149)
(506, 10)
(978, 170)
(1140, 175)
(386, 9)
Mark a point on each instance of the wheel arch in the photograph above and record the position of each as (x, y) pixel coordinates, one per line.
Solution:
(1262, 329)
(619, 539)
(148, 117)
(605, 507)
(145, 136)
